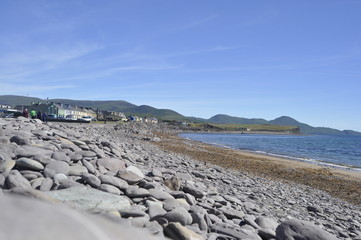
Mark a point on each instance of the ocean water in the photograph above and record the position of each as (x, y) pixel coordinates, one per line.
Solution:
(342, 151)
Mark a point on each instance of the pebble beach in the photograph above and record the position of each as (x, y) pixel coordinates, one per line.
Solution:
(141, 181)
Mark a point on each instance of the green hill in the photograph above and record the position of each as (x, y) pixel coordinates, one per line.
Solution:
(167, 114)
(225, 119)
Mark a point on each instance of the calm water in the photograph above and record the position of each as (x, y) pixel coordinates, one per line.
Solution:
(321, 149)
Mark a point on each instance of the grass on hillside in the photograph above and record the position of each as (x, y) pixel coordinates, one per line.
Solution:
(244, 127)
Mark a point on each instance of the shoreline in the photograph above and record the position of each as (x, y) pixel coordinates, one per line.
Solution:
(341, 183)
(299, 159)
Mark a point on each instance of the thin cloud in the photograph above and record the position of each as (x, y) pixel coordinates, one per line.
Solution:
(20, 88)
(199, 22)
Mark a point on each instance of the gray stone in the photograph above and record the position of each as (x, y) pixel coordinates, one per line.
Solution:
(91, 180)
(77, 170)
(109, 188)
(136, 192)
(159, 194)
(240, 234)
(40, 220)
(267, 233)
(111, 164)
(129, 176)
(315, 209)
(89, 199)
(61, 156)
(177, 231)
(196, 192)
(155, 212)
(2, 181)
(75, 157)
(55, 167)
(295, 229)
(16, 180)
(231, 213)
(266, 223)
(170, 204)
(115, 181)
(46, 185)
(6, 164)
(43, 159)
(179, 215)
(59, 177)
(173, 183)
(28, 163)
(89, 166)
(87, 153)
(19, 140)
(199, 217)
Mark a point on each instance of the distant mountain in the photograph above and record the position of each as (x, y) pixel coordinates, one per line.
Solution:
(225, 119)
(14, 100)
(148, 111)
(307, 129)
(110, 105)
(167, 114)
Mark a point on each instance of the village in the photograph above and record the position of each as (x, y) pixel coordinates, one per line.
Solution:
(51, 111)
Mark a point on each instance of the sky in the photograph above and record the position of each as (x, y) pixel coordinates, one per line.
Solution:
(253, 59)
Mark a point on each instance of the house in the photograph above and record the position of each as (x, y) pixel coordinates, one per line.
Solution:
(60, 110)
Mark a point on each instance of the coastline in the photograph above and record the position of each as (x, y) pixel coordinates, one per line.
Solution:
(292, 158)
(338, 182)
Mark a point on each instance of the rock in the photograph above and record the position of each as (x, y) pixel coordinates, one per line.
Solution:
(59, 177)
(77, 170)
(43, 159)
(177, 231)
(6, 164)
(170, 204)
(89, 166)
(115, 181)
(55, 167)
(315, 209)
(199, 217)
(155, 212)
(41, 220)
(179, 215)
(159, 194)
(266, 223)
(301, 230)
(2, 181)
(129, 176)
(267, 233)
(136, 192)
(61, 156)
(28, 163)
(231, 213)
(111, 164)
(87, 153)
(16, 180)
(46, 185)
(19, 140)
(173, 183)
(110, 189)
(240, 234)
(91, 180)
(89, 199)
(196, 192)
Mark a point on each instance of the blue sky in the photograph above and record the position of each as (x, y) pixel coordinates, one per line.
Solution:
(254, 59)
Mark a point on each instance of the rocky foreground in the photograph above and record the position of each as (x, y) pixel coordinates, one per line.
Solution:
(103, 181)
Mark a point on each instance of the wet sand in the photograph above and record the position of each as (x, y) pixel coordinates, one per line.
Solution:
(339, 183)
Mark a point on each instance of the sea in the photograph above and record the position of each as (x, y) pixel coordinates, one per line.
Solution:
(337, 151)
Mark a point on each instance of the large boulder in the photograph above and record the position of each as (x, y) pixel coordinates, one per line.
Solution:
(32, 219)
(89, 199)
(295, 229)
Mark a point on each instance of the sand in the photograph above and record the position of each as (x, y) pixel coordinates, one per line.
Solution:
(339, 183)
